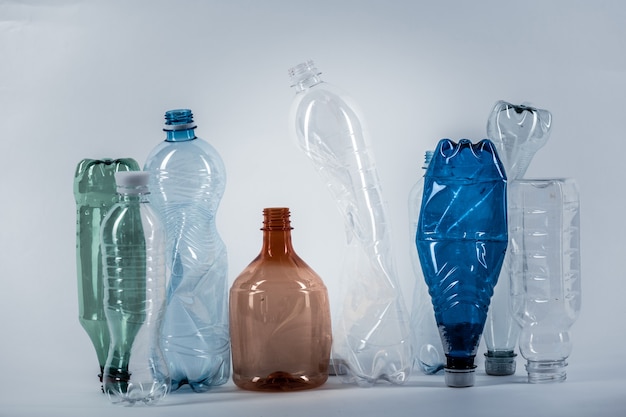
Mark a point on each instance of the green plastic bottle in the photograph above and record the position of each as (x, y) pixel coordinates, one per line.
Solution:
(95, 193)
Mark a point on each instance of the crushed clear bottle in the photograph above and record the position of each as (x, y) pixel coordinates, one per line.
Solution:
(372, 331)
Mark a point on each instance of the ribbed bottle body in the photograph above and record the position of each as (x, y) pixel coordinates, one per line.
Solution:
(95, 194)
(545, 272)
(133, 244)
(187, 182)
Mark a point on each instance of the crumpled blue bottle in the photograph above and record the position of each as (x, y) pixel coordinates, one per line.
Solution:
(461, 240)
(188, 179)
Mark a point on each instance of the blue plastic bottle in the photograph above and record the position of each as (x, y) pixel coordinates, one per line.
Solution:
(461, 240)
(187, 182)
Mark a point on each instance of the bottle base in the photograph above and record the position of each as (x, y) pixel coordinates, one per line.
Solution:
(541, 372)
(280, 381)
(500, 363)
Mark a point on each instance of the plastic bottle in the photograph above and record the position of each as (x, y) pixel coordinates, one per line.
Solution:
(279, 316)
(517, 132)
(428, 353)
(133, 245)
(544, 266)
(372, 332)
(188, 180)
(94, 192)
(461, 241)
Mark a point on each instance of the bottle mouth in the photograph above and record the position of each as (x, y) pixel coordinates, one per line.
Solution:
(276, 218)
(302, 71)
(500, 363)
(541, 372)
(180, 119)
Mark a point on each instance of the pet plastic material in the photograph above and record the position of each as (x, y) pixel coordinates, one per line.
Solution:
(544, 266)
(518, 132)
(279, 316)
(461, 241)
(94, 192)
(372, 333)
(428, 353)
(133, 246)
(188, 179)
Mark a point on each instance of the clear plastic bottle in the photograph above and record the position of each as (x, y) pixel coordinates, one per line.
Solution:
(279, 316)
(461, 240)
(372, 333)
(188, 179)
(94, 192)
(428, 353)
(544, 266)
(517, 132)
(133, 245)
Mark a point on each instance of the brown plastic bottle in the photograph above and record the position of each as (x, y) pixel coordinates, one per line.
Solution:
(279, 316)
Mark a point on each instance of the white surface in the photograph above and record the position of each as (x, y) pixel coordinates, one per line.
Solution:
(94, 78)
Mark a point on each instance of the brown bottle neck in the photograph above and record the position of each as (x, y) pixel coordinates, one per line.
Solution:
(276, 232)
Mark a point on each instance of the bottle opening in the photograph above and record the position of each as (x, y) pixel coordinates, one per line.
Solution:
(276, 218)
(180, 119)
(303, 72)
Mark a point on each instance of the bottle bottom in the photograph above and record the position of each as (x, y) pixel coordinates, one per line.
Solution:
(122, 389)
(280, 381)
(541, 372)
(500, 362)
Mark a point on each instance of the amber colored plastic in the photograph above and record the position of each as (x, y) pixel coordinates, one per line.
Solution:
(279, 316)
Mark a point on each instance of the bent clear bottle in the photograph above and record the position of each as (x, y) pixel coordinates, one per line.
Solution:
(517, 132)
(372, 331)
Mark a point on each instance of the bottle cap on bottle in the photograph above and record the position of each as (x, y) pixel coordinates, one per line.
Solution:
(459, 378)
(132, 182)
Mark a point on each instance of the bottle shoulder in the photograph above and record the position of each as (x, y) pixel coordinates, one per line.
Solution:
(267, 274)
(187, 154)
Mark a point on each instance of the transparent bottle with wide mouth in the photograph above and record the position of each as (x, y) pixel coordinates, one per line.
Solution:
(372, 334)
(517, 132)
(544, 267)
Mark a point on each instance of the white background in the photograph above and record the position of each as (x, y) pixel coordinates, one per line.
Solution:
(93, 79)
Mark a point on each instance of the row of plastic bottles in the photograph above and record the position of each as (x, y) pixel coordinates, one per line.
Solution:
(152, 267)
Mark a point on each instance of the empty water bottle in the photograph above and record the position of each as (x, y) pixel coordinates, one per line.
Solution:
(461, 241)
(517, 132)
(372, 333)
(95, 194)
(544, 266)
(188, 178)
(133, 245)
(428, 355)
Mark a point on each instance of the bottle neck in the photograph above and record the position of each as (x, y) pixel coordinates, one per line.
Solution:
(180, 135)
(125, 197)
(276, 232)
